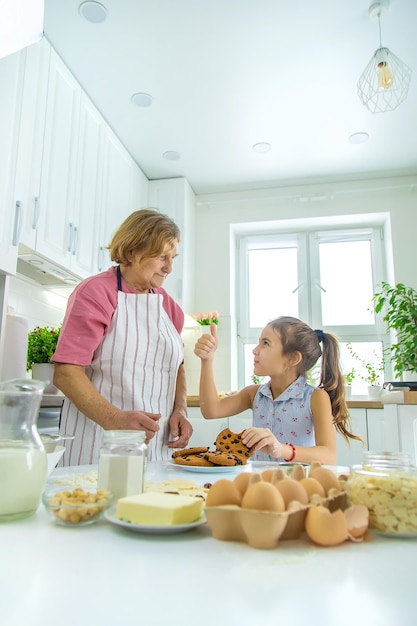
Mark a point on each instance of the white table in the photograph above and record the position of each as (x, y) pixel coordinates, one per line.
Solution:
(103, 575)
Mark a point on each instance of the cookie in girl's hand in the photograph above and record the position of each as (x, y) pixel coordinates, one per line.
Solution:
(228, 441)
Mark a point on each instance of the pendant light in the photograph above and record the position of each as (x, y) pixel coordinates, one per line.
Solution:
(384, 82)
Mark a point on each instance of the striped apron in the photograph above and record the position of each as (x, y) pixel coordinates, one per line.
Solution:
(135, 368)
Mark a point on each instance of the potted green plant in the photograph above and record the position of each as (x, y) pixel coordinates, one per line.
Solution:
(349, 378)
(42, 342)
(372, 372)
(398, 305)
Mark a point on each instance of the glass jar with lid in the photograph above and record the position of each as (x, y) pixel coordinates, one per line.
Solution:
(122, 462)
(386, 483)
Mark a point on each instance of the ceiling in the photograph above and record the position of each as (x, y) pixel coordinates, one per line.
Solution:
(227, 74)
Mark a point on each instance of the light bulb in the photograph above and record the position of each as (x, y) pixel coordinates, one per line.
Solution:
(385, 77)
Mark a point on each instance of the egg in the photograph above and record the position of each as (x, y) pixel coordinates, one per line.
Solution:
(268, 475)
(326, 478)
(291, 490)
(223, 492)
(326, 528)
(243, 480)
(263, 496)
(313, 487)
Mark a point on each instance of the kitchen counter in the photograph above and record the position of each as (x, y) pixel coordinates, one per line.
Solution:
(104, 574)
(356, 402)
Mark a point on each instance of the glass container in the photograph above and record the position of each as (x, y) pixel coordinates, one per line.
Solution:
(122, 462)
(23, 461)
(386, 483)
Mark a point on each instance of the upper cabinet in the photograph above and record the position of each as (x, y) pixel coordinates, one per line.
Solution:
(66, 180)
(175, 197)
(125, 189)
(11, 81)
(31, 139)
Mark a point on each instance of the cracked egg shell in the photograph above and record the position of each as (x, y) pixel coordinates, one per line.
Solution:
(291, 490)
(326, 478)
(263, 496)
(357, 519)
(223, 492)
(325, 528)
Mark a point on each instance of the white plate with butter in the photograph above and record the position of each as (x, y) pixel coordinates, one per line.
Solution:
(110, 516)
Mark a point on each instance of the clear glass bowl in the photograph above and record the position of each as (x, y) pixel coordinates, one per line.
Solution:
(76, 507)
(386, 483)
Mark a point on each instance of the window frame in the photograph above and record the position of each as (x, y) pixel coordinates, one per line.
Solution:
(307, 240)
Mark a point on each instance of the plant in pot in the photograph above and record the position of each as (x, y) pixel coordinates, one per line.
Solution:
(42, 342)
(349, 378)
(372, 372)
(398, 305)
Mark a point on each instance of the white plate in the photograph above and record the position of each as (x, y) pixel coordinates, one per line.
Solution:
(203, 469)
(110, 516)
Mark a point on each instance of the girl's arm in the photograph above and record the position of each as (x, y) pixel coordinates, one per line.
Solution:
(211, 405)
(325, 438)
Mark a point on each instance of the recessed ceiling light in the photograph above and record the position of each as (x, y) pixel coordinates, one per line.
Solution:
(358, 137)
(261, 147)
(171, 155)
(93, 12)
(142, 99)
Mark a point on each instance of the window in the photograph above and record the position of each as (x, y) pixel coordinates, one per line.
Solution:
(325, 277)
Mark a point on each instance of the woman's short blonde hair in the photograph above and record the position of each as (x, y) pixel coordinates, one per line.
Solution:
(146, 231)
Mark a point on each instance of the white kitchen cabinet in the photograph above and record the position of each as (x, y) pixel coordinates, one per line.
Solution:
(401, 429)
(31, 138)
(175, 197)
(123, 187)
(351, 453)
(11, 81)
(58, 231)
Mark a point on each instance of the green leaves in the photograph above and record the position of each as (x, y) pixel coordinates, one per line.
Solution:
(398, 305)
(41, 344)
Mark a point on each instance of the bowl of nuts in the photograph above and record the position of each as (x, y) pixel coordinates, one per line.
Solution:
(76, 507)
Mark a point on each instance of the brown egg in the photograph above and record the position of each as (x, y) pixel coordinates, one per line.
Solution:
(326, 478)
(313, 487)
(263, 496)
(325, 528)
(268, 475)
(243, 480)
(223, 492)
(291, 490)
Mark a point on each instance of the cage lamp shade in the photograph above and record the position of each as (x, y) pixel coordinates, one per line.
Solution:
(384, 83)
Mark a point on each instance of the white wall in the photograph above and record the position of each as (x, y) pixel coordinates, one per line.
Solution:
(392, 202)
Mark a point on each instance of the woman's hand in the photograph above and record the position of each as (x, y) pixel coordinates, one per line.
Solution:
(181, 430)
(138, 420)
(206, 346)
(263, 440)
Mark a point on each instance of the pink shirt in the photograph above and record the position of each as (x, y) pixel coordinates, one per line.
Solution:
(90, 309)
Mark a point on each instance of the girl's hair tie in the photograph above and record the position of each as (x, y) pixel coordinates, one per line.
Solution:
(320, 335)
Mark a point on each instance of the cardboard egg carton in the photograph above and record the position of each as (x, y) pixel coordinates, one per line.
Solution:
(264, 529)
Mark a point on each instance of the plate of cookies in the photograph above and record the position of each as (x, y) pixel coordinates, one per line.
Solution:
(229, 455)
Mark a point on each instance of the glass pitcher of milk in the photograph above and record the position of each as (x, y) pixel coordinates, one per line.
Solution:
(23, 461)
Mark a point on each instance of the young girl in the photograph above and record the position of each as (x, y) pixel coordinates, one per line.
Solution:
(291, 419)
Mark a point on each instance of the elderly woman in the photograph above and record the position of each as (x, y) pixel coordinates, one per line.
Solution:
(119, 358)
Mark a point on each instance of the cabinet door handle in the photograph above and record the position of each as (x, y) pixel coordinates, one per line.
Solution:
(70, 237)
(36, 213)
(75, 240)
(17, 227)
(100, 258)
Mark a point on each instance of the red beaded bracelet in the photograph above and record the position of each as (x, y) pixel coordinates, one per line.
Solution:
(294, 452)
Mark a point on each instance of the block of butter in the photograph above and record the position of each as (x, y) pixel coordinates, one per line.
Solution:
(159, 509)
